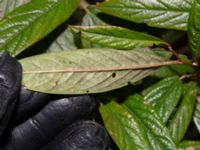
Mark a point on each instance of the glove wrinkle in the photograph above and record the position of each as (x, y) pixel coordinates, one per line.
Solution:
(50, 121)
(10, 83)
(82, 135)
(29, 104)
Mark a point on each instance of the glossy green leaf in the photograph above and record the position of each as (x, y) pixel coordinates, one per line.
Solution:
(87, 71)
(65, 41)
(156, 132)
(164, 96)
(29, 23)
(157, 13)
(124, 128)
(132, 129)
(7, 6)
(197, 116)
(189, 145)
(194, 28)
(181, 120)
(117, 37)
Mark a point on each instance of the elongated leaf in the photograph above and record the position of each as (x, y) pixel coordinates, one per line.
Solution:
(156, 133)
(7, 6)
(180, 122)
(197, 116)
(124, 128)
(87, 71)
(29, 23)
(189, 145)
(117, 37)
(164, 96)
(194, 28)
(157, 13)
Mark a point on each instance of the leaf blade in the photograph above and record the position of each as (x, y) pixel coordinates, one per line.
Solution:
(83, 71)
(156, 132)
(196, 116)
(187, 145)
(181, 120)
(123, 127)
(7, 6)
(157, 13)
(64, 41)
(29, 23)
(194, 28)
(164, 96)
(117, 37)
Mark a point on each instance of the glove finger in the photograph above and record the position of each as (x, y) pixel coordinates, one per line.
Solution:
(82, 135)
(29, 104)
(50, 121)
(10, 83)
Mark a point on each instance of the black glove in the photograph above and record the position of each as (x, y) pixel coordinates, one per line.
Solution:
(35, 122)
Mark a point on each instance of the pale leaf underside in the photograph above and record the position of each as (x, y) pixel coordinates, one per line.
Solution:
(88, 71)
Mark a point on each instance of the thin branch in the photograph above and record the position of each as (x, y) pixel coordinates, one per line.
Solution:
(169, 47)
(78, 70)
(188, 76)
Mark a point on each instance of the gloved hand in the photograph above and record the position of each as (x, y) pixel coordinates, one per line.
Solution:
(31, 121)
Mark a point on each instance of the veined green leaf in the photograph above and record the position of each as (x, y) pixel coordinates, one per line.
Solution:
(125, 129)
(164, 96)
(88, 71)
(156, 133)
(131, 128)
(194, 28)
(157, 13)
(117, 37)
(29, 23)
(197, 116)
(189, 145)
(7, 6)
(180, 122)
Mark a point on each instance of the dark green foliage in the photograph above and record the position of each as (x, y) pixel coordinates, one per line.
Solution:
(149, 49)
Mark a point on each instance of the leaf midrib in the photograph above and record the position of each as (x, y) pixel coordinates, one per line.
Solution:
(78, 70)
(131, 39)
